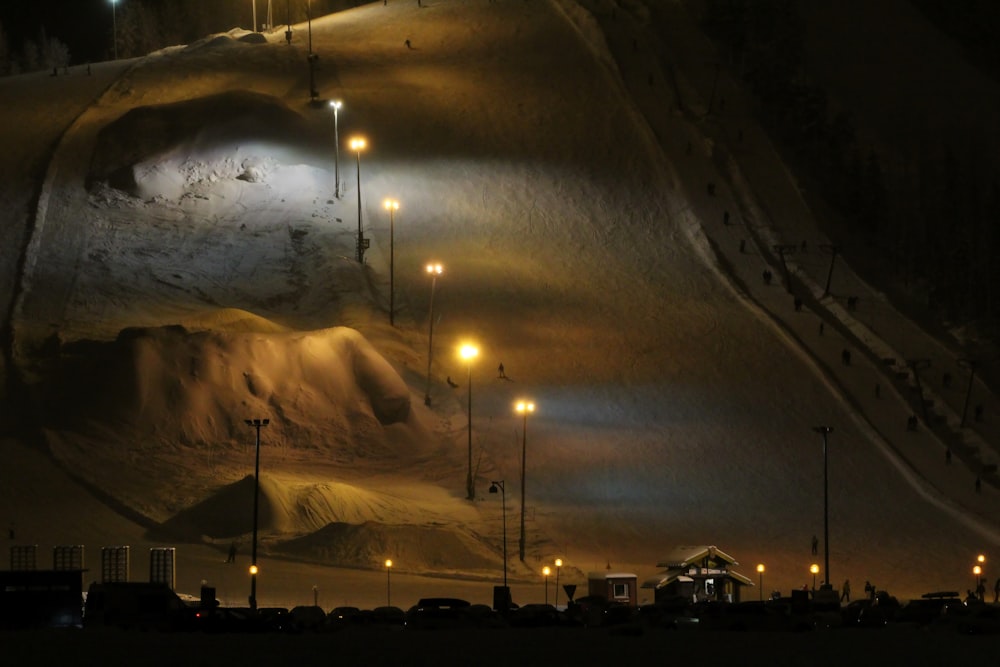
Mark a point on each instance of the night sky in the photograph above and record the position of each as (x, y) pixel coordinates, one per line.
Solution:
(84, 25)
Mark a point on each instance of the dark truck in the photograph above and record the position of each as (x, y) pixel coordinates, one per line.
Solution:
(139, 606)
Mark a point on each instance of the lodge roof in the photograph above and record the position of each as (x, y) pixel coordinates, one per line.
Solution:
(682, 557)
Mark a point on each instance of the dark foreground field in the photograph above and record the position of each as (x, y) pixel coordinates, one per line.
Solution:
(553, 646)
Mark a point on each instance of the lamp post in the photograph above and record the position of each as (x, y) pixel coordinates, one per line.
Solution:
(434, 270)
(114, 27)
(256, 424)
(358, 144)
(814, 568)
(469, 352)
(388, 582)
(760, 580)
(523, 408)
(546, 571)
(558, 568)
(825, 431)
(336, 105)
(253, 11)
(392, 206)
(494, 487)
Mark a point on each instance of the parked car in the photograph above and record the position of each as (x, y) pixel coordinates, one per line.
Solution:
(307, 618)
(340, 617)
(435, 613)
(535, 616)
(392, 617)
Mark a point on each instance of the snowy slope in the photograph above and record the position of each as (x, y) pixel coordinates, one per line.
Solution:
(540, 151)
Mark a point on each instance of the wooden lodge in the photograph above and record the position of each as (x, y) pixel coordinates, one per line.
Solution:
(698, 573)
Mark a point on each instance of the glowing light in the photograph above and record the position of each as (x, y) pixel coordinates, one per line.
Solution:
(468, 352)
(253, 569)
(760, 568)
(391, 205)
(523, 407)
(435, 269)
(546, 571)
(388, 562)
(357, 144)
(336, 104)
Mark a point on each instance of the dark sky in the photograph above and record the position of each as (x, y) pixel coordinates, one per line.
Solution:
(84, 25)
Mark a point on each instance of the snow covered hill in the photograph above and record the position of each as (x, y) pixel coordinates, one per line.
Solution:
(189, 264)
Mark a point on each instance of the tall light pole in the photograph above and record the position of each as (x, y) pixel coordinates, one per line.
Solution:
(114, 27)
(494, 487)
(546, 571)
(825, 431)
(253, 4)
(256, 424)
(760, 580)
(814, 568)
(392, 206)
(558, 568)
(523, 408)
(357, 145)
(469, 352)
(434, 270)
(336, 105)
(388, 582)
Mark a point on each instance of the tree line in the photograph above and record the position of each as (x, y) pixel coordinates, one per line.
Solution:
(926, 222)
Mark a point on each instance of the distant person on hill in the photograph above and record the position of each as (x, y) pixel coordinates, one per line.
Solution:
(231, 558)
(500, 373)
(815, 545)
(996, 591)
(845, 591)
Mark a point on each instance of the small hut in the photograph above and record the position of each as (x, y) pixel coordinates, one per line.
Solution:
(615, 586)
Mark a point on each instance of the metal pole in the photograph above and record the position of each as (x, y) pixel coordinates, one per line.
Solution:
(430, 342)
(392, 270)
(114, 26)
(336, 154)
(503, 504)
(388, 585)
(524, 449)
(361, 249)
(469, 485)
(825, 431)
(257, 424)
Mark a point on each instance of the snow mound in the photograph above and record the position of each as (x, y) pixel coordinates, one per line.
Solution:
(330, 388)
(168, 150)
(283, 509)
(232, 320)
(429, 548)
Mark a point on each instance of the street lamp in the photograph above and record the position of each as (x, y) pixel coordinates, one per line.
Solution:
(523, 408)
(357, 145)
(336, 105)
(814, 568)
(825, 431)
(546, 571)
(494, 487)
(434, 270)
(388, 583)
(114, 26)
(392, 206)
(257, 424)
(558, 568)
(469, 352)
(253, 11)
(760, 580)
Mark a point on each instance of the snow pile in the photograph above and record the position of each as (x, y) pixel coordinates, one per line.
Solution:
(168, 150)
